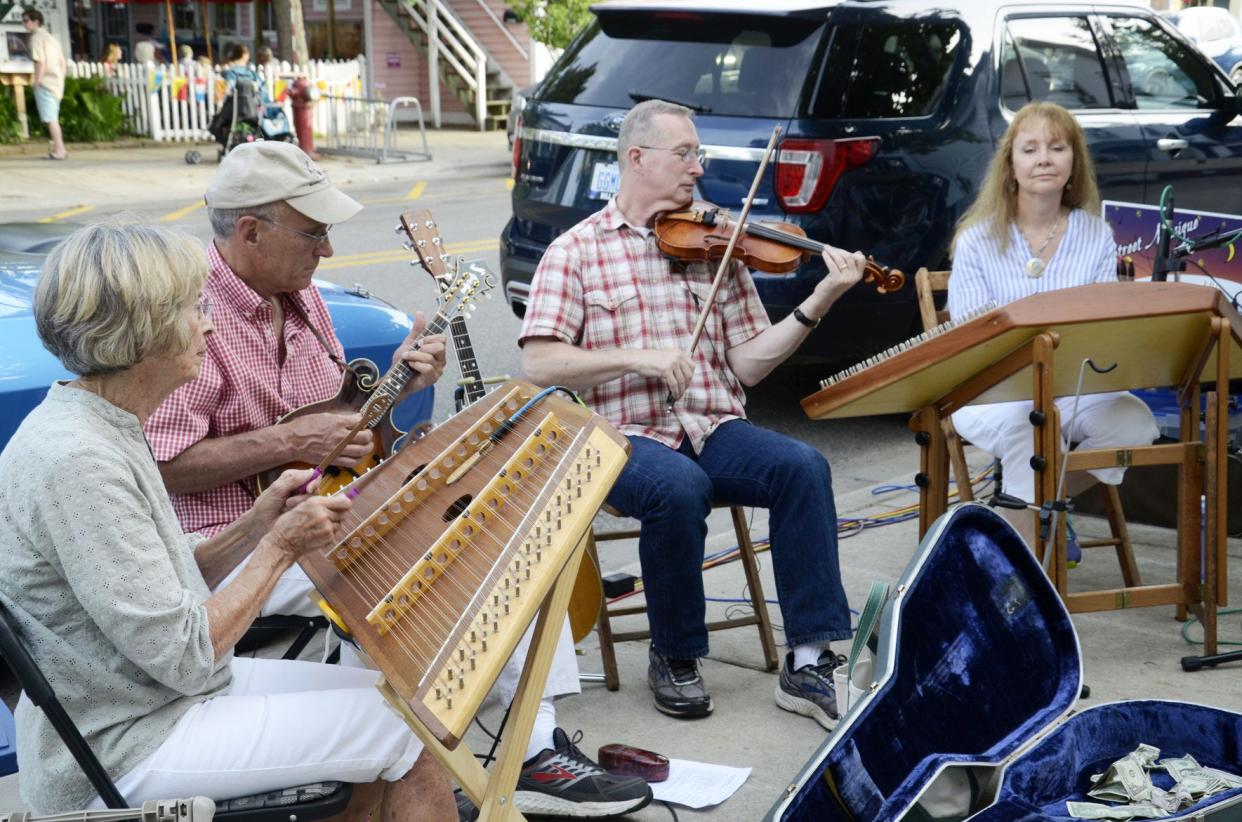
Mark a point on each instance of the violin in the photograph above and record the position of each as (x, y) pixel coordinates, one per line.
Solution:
(703, 233)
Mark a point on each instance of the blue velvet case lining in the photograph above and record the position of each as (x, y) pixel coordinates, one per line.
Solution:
(977, 656)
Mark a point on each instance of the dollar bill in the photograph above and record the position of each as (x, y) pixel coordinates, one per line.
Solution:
(1179, 766)
(1126, 780)
(1095, 810)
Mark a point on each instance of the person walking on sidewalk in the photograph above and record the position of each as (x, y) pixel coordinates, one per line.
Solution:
(49, 62)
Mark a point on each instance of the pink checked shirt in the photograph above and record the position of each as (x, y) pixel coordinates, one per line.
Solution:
(605, 285)
(242, 386)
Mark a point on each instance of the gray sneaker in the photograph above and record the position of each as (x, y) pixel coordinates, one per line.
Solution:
(678, 686)
(809, 690)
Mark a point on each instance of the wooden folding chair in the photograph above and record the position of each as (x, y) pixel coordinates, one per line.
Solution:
(608, 638)
(932, 284)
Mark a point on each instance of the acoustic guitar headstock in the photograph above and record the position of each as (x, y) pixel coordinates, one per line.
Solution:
(424, 240)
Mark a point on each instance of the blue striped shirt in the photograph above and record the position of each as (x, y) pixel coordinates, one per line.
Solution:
(1086, 254)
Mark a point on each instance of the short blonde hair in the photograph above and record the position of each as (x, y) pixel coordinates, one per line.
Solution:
(996, 206)
(111, 295)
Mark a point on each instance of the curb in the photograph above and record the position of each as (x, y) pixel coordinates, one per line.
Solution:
(39, 148)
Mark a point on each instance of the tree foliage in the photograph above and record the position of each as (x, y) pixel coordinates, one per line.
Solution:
(553, 22)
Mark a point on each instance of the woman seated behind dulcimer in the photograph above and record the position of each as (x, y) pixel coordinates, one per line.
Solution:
(1033, 228)
(115, 602)
(702, 232)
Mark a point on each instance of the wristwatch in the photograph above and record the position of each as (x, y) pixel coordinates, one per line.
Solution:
(804, 319)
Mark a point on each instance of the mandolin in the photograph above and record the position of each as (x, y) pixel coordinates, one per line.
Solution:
(364, 390)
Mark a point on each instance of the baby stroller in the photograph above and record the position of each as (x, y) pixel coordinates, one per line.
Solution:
(245, 117)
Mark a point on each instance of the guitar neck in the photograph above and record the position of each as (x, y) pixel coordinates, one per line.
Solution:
(472, 379)
(397, 378)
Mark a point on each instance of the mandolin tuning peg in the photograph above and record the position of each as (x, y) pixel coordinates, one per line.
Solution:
(398, 230)
(407, 245)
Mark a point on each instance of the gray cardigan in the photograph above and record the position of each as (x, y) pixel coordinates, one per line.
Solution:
(104, 589)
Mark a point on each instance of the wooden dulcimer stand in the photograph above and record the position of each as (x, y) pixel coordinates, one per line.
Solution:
(1157, 334)
(457, 543)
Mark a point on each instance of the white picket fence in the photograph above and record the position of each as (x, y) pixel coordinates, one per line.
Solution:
(164, 103)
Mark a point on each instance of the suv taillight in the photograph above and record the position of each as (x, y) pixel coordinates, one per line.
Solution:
(517, 145)
(807, 170)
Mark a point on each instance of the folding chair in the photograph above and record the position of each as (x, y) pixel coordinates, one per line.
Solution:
(928, 285)
(305, 803)
(608, 638)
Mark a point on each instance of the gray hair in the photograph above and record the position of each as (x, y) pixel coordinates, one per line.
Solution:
(224, 220)
(638, 128)
(111, 295)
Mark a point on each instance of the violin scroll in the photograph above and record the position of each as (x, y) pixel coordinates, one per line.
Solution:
(886, 280)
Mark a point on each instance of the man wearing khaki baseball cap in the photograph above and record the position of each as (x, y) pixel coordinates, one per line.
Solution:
(273, 350)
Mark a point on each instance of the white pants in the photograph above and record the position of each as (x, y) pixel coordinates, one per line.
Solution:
(291, 596)
(1004, 430)
(281, 724)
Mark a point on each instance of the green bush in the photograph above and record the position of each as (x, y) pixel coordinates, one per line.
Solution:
(9, 131)
(88, 114)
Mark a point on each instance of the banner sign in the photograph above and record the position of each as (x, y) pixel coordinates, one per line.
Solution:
(1135, 228)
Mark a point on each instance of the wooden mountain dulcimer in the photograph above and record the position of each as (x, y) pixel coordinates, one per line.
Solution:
(424, 240)
(364, 390)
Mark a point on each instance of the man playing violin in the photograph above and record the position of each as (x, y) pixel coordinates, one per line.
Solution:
(611, 317)
(273, 350)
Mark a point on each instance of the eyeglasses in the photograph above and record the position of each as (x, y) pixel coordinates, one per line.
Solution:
(318, 239)
(683, 153)
(204, 308)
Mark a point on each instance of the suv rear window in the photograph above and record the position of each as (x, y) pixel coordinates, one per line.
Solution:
(749, 65)
(887, 70)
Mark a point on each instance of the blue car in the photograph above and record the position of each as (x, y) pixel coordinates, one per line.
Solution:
(366, 326)
(1217, 33)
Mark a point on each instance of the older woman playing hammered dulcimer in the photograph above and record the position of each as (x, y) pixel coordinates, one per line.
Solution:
(116, 603)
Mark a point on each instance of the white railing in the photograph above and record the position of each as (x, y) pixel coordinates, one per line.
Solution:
(448, 39)
(165, 103)
(503, 29)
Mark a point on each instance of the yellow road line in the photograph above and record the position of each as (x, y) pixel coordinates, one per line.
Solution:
(509, 183)
(401, 255)
(181, 212)
(417, 190)
(73, 212)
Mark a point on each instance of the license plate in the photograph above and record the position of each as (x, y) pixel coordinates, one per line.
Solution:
(605, 181)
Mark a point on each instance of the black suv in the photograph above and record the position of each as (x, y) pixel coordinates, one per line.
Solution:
(890, 112)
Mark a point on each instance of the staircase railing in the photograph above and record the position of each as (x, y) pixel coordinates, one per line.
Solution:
(503, 29)
(449, 40)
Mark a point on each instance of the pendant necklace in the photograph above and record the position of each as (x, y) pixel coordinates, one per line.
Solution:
(1035, 266)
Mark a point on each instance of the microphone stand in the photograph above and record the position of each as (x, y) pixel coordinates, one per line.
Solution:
(1164, 261)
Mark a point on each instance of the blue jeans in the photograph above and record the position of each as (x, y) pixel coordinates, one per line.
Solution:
(671, 493)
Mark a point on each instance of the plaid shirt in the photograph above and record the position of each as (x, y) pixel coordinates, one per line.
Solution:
(242, 386)
(605, 285)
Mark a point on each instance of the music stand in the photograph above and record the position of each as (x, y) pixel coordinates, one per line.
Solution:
(1012, 353)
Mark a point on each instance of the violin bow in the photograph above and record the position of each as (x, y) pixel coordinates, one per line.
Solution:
(728, 255)
(737, 232)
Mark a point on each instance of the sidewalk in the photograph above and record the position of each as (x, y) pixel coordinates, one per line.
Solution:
(1130, 654)
(34, 183)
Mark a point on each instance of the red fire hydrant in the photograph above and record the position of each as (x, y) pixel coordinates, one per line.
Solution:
(302, 96)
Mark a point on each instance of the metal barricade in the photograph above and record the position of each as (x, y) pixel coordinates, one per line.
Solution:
(366, 127)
